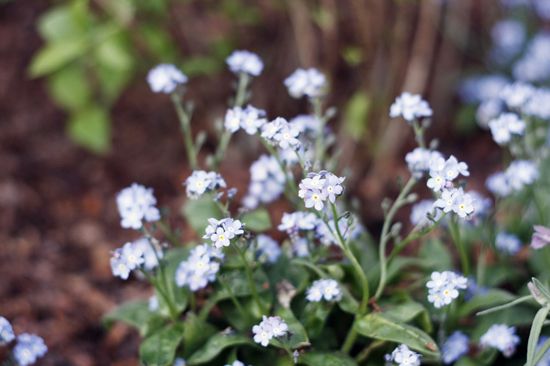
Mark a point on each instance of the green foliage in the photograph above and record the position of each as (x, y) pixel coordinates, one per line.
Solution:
(217, 344)
(159, 348)
(325, 359)
(356, 115)
(198, 211)
(135, 314)
(257, 220)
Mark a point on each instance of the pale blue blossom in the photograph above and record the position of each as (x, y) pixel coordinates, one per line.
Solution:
(507, 243)
(411, 107)
(6, 331)
(324, 289)
(306, 82)
(165, 78)
(269, 328)
(501, 337)
(245, 62)
(200, 268)
(456, 346)
(29, 349)
(137, 204)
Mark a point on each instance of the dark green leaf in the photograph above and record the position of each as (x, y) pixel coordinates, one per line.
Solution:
(314, 317)
(257, 220)
(379, 326)
(435, 255)
(215, 345)
(535, 333)
(484, 300)
(405, 312)
(196, 332)
(325, 359)
(159, 349)
(298, 337)
(135, 314)
(69, 87)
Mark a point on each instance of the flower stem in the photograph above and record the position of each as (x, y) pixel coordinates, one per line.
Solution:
(249, 277)
(385, 236)
(460, 246)
(185, 124)
(320, 147)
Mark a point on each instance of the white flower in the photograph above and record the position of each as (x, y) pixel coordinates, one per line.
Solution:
(306, 82)
(517, 94)
(135, 205)
(507, 243)
(221, 232)
(501, 337)
(446, 201)
(200, 182)
(127, 258)
(245, 62)
(179, 362)
(249, 119)
(200, 268)
(455, 200)
(300, 247)
(324, 289)
(6, 331)
(268, 250)
(281, 133)
(403, 356)
(29, 349)
(521, 173)
(420, 212)
(454, 347)
(498, 184)
(437, 180)
(420, 160)
(151, 254)
(232, 120)
(453, 168)
(506, 125)
(269, 328)
(443, 287)
(410, 107)
(316, 188)
(165, 78)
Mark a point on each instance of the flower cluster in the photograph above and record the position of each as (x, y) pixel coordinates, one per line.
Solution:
(267, 249)
(282, 134)
(443, 172)
(250, 119)
(200, 268)
(245, 62)
(136, 204)
(221, 232)
(298, 221)
(507, 243)
(520, 173)
(505, 126)
(306, 82)
(319, 187)
(165, 78)
(267, 182)
(269, 328)
(501, 337)
(456, 346)
(420, 160)
(411, 107)
(443, 287)
(29, 349)
(201, 182)
(141, 253)
(324, 289)
(403, 356)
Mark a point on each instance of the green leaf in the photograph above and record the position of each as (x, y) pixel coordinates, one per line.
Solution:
(541, 351)
(215, 345)
(534, 334)
(405, 312)
(325, 359)
(356, 113)
(64, 21)
(380, 326)
(348, 302)
(297, 334)
(196, 332)
(91, 128)
(115, 53)
(179, 296)
(69, 87)
(159, 349)
(466, 361)
(197, 212)
(257, 220)
(484, 300)
(314, 316)
(55, 55)
(435, 255)
(135, 314)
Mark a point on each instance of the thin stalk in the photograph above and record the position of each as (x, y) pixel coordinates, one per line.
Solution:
(399, 202)
(365, 353)
(249, 277)
(317, 105)
(419, 134)
(462, 251)
(185, 125)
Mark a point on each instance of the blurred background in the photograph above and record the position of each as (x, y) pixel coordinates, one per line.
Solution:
(78, 123)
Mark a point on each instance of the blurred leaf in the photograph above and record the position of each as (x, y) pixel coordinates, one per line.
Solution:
(485, 300)
(215, 345)
(159, 349)
(466, 361)
(53, 56)
(115, 53)
(90, 128)
(201, 65)
(379, 326)
(297, 334)
(348, 302)
(240, 12)
(64, 21)
(534, 334)
(356, 115)
(180, 296)
(69, 87)
(405, 312)
(196, 332)
(198, 211)
(325, 359)
(353, 55)
(159, 42)
(435, 255)
(257, 220)
(135, 314)
(121, 10)
(314, 316)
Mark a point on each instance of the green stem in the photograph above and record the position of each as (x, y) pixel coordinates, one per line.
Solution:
(320, 147)
(235, 301)
(419, 134)
(249, 277)
(385, 236)
(460, 246)
(364, 354)
(185, 124)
